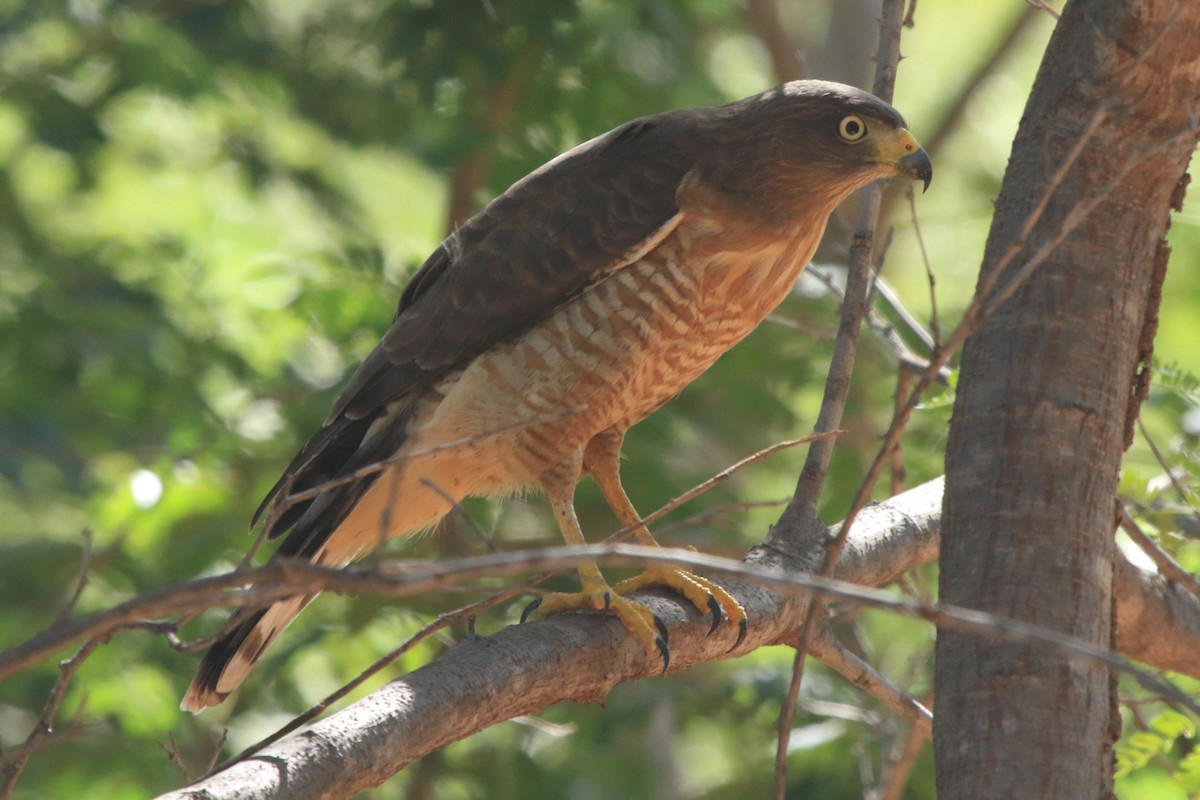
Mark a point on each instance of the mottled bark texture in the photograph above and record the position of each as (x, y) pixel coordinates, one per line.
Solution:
(1039, 423)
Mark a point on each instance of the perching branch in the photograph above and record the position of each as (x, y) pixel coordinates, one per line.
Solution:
(483, 681)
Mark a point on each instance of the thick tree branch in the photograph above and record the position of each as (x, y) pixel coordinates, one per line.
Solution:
(523, 669)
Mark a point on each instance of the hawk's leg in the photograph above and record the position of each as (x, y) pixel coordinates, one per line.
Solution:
(559, 484)
(602, 459)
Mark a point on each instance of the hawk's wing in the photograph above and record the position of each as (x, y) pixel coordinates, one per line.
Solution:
(541, 243)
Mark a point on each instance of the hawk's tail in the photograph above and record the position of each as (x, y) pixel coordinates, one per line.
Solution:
(230, 659)
(317, 533)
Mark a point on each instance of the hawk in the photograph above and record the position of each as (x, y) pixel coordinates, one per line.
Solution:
(573, 306)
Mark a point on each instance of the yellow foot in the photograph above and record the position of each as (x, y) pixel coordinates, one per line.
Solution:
(639, 620)
(705, 595)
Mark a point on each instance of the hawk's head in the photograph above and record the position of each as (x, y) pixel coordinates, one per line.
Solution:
(804, 146)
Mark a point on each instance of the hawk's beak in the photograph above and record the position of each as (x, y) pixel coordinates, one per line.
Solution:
(917, 166)
(903, 150)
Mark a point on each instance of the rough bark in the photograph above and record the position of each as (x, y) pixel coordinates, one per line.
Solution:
(1038, 429)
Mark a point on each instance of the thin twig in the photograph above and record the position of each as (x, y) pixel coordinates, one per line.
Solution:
(1179, 488)
(716, 511)
(85, 563)
(825, 647)
(841, 364)
(216, 754)
(406, 581)
(171, 748)
(720, 478)
(877, 324)
(460, 510)
(1041, 5)
(762, 17)
(14, 763)
(899, 471)
(1168, 566)
(812, 476)
(933, 312)
(897, 771)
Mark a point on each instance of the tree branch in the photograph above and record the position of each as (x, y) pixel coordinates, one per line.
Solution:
(581, 657)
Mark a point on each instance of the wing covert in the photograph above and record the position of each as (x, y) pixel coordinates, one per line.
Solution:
(539, 244)
(536, 246)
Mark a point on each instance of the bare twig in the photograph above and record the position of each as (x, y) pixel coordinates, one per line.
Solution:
(1179, 488)
(14, 763)
(458, 508)
(720, 478)
(899, 471)
(1073, 219)
(825, 647)
(1042, 5)
(85, 563)
(716, 511)
(958, 106)
(896, 772)
(837, 386)
(841, 365)
(933, 312)
(1161, 558)
(763, 19)
(908, 360)
(171, 748)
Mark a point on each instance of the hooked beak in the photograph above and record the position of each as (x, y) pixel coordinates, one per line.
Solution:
(917, 166)
(902, 150)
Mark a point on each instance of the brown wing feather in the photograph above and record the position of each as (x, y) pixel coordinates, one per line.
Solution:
(536, 246)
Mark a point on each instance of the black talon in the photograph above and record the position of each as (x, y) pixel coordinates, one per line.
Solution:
(662, 628)
(743, 626)
(717, 613)
(607, 600)
(666, 652)
(529, 609)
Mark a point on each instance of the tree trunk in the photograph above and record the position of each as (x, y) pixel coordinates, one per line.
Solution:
(1046, 386)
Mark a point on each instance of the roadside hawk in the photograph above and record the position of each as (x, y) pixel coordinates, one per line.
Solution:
(601, 285)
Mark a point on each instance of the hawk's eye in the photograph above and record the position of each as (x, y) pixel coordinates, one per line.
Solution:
(852, 128)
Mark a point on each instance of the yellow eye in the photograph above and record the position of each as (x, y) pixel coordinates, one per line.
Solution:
(852, 128)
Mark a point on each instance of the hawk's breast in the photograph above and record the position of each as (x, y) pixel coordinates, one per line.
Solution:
(620, 350)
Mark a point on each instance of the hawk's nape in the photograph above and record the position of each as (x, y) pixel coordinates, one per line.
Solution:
(569, 309)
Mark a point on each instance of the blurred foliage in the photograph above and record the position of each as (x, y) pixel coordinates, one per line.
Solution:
(207, 210)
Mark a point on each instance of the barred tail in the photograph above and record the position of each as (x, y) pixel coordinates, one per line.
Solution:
(230, 659)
